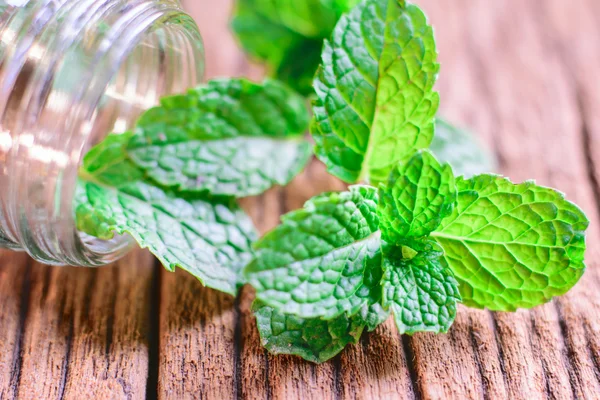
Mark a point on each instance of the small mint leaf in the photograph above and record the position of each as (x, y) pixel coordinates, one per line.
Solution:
(461, 150)
(209, 238)
(375, 100)
(315, 340)
(418, 196)
(421, 292)
(230, 137)
(316, 262)
(372, 314)
(512, 245)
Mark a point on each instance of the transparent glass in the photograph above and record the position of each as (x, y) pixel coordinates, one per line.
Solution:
(71, 72)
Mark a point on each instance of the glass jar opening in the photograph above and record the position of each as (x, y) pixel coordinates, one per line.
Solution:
(90, 70)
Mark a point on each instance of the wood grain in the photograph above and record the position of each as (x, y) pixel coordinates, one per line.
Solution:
(523, 74)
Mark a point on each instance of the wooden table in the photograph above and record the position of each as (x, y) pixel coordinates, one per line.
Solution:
(524, 74)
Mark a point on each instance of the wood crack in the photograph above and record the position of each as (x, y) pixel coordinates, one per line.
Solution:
(17, 363)
(111, 321)
(65, 364)
(269, 389)
(411, 362)
(154, 333)
(547, 388)
(237, 349)
(337, 371)
(484, 383)
(500, 349)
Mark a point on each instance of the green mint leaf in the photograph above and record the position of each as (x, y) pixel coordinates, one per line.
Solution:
(315, 340)
(230, 137)
(316, 262)
(461, 150)
(299, 71)
(512, 245)
(209, 238)
(375, 100)
(421, 291)
(418, 195)
(372, 314)
(288, 36)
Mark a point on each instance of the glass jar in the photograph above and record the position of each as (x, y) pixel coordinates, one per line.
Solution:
(71, 72)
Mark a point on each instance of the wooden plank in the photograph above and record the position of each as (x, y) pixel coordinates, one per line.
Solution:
(86, 331)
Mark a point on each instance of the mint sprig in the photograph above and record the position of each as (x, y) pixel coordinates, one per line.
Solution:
(503, 247)
(435, 240)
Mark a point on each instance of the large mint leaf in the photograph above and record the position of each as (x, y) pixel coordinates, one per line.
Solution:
(461, 150)
(229, 137)
(313, 339)
(375, 100)
(316, 262)
(417, 197)
(421, 291)
(209, 238)
(512, 245)
(287, 36)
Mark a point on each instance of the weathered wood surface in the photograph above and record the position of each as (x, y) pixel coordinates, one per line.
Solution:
(521, 73)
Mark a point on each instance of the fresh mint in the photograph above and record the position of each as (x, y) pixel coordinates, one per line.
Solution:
(172, 184)
(208, 237)
(375, 100)
(512, 246)
(314, 339)
(230, 137)
(484, 241)
(417, 244)
(425, 240)
(421, 291)
(416, 197)
(288, 36)
(315, 263)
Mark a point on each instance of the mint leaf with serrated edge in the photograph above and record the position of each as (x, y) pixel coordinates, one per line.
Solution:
(512, 245)
(375, 100)
(287, 36)
(229, 137)
(315, 339)
(314, 264)
(461, 150)
(418, 195)
(421, 291)
(208, 237)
